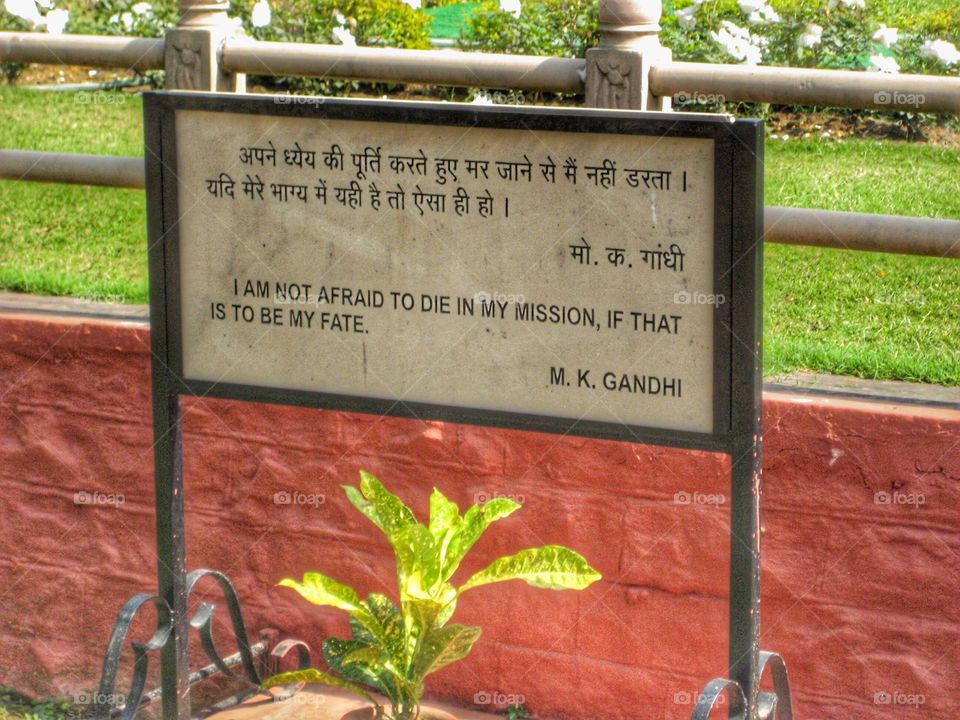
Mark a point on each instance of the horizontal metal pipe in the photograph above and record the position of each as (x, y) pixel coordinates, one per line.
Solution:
(858, 231)
(791, 226)
(795, 86)
(431, 67)
(87, 50)
(106, 170)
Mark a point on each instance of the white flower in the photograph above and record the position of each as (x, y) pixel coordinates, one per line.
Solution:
(812, 35)
(941, 50)
(55, 21)
(883, 64)
(260, 17)
(752, 55)
(886, 36)
(763, 15)
(126, 19)
(341, 20)
(740, 43)
(45, 4)
(685, 17)
(142, 8)
(751, 6)
(511, 6)
(415, 4)
(24, 9)
(343, 36)
(482, 99)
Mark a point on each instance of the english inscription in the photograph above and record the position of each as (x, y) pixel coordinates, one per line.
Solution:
(550, 273)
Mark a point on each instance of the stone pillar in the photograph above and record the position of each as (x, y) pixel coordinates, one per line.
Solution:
(193, 48)
(618, 70)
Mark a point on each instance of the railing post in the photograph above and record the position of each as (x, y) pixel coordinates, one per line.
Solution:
(193, 48)
(618, 71)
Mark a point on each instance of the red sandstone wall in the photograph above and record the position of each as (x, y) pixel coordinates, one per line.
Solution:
(859, 597)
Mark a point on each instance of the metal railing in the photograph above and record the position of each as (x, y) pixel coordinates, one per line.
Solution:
(791, 226)
(207, 52)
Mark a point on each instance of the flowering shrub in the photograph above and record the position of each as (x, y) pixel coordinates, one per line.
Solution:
(384, 23)
(536, 27)
(33, 15)
(872, 35)
(839, 34)
(125, 17)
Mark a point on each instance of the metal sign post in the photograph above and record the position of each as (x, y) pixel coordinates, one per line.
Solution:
(321, 253)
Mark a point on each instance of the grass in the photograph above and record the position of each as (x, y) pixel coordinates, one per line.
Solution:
(864, 314)
(71, 239)
(872, 315)
(14, 706)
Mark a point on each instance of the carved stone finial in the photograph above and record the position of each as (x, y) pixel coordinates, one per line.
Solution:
(204, 13)
(193, 49)
(626, 24)
(617, 72)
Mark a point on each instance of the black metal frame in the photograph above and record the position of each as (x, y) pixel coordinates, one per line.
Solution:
(737, 333)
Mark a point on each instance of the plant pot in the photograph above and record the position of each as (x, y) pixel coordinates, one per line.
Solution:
(426, 713)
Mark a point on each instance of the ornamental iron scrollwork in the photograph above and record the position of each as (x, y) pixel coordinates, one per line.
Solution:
(775, 705)
(110, 706)
(106, 701)
(714, 694)
(202, 622)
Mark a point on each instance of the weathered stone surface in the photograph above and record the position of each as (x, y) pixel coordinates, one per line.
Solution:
(859, 594)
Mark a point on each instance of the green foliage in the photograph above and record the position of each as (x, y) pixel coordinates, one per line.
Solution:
(565, 28)
(382, 23)
(392, 650)
(10, 23)
(14, 706)
(123, 17)
(517, 712)
(847, 33)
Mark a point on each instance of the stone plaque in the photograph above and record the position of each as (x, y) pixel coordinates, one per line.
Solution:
(536, 271)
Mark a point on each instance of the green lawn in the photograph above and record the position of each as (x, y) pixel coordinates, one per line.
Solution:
(71, 239)
(865, 314)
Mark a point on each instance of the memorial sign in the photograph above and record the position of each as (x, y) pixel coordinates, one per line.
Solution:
(561, 269)
(583, 272)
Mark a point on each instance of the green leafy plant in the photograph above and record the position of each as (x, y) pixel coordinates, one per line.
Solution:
(564, 28)
(394, 649)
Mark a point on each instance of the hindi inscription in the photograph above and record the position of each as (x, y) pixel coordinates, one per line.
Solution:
(562, 274)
